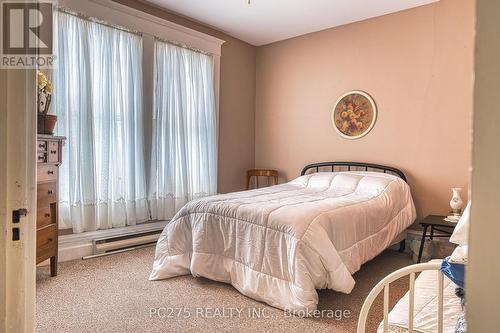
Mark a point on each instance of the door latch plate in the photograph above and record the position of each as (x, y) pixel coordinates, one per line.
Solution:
(18, 213)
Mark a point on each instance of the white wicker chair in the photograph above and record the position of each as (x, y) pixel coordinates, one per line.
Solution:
(384, 285)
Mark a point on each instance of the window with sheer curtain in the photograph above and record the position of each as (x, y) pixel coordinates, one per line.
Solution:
(98, 101)
(184, 147)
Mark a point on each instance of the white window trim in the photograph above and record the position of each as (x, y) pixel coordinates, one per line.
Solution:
(134, 19)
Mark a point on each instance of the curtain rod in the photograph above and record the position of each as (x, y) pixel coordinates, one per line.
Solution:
(95, 20)
(135, 32)
(184, 46)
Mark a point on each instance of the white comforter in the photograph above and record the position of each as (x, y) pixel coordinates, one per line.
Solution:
(279, 244)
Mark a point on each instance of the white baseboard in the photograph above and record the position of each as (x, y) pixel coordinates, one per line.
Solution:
(76, 246)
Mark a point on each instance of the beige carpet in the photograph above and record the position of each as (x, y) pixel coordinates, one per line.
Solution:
(113, 294)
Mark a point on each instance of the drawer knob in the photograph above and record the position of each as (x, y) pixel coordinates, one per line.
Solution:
(50, 172)
(40, 157)
(47, 214)
(49, 192)
(41, 145)
(53, 151)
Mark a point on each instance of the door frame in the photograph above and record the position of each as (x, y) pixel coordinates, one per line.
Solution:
(17, 190)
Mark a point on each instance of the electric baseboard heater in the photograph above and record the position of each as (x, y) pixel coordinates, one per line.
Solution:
(117, 244)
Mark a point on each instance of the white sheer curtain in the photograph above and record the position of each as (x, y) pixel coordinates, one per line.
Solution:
(184, 148)
(98, 101)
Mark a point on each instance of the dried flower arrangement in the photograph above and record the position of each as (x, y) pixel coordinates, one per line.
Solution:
(44, 92)
(46, 122)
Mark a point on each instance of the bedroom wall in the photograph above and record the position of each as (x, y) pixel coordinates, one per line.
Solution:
(417, 65)
(236, 99)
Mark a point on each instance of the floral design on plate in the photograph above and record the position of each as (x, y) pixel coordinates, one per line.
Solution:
(354, 114)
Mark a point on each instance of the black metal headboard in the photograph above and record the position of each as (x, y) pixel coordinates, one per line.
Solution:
(352, 166)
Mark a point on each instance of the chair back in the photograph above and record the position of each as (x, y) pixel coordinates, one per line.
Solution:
(269, 174)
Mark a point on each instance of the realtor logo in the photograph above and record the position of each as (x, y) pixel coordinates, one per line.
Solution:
(26, 34)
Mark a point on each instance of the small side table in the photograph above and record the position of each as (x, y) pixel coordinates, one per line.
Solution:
(437, 223)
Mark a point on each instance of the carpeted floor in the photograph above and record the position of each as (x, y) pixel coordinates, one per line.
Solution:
(113, 294)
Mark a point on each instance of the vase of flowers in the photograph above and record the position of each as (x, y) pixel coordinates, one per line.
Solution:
(46, 122)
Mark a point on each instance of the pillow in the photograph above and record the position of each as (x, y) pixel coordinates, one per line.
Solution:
(374, 184)
(459, 255)
(460, 235)
(346, 181)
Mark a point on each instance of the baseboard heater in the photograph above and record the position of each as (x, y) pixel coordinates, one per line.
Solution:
(106, 246)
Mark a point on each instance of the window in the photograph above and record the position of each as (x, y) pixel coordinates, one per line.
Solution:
(98, 101)
(184, 147)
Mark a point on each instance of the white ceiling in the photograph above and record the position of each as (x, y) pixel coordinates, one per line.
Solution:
(266, 21)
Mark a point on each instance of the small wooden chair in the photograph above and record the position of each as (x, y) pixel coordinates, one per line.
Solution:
(273, 174)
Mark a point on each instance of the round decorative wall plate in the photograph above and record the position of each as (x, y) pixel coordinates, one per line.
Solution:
(354, 114)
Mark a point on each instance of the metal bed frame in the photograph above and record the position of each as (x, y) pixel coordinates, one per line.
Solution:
(355, 166)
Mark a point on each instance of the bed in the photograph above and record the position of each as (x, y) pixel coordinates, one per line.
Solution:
(430, 306)
(425, 318)
(433, 303)
(281, 243)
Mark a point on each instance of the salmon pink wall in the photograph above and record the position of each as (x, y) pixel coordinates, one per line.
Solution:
(418, 67)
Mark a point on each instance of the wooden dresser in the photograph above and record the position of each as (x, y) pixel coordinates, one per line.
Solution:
(49, 149)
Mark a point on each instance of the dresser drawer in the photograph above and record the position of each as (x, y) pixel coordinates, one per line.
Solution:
(41, 145)
(41, 157)
(49, 155)
(46, 243)
(53, 152)
(46, 173)
(46, 194)
(46, 216)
